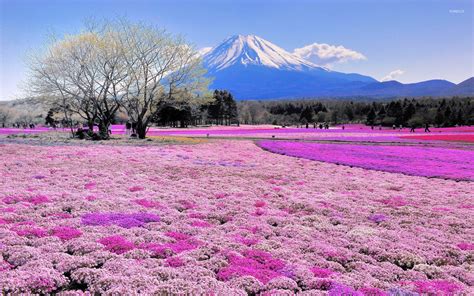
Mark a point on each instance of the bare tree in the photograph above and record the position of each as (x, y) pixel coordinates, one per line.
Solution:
(77, 75)
(161, 68)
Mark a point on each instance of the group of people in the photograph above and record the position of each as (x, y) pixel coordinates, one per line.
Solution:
(324, 125)
(427, 128)
(412, 128)
(400, 127)
(23, 125)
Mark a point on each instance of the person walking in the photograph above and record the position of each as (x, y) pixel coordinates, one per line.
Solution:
(412, 130)
(427, 128)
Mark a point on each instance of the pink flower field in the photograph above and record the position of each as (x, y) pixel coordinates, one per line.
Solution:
(225, 217)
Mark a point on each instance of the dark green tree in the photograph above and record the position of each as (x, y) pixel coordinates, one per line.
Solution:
(371, 117)
(307, 115)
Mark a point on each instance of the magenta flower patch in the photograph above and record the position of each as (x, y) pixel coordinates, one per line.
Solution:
(11, 199)
(248, 241)
(321, 272)
(199, 223)
(116, 244)
(395, 202)
(148, 203)
(183, 242)
(466, 246)
(435, 287)
(66, 233)
(31, 231)
(367, 291)
(37, 199)
(174, 262)
(90, 185)
(259, 264)
(340, 289)
(158, 250)
(136, 188)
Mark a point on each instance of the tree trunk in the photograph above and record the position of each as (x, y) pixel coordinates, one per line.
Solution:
(141, 130)
(104, 130)
(69, 121)
(90, 125)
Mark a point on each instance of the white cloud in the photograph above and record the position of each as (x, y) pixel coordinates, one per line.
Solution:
(204, 50)
(392, 75)
(326, 55)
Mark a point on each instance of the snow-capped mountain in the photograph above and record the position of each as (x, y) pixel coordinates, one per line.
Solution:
(252, 50)
(254, 68)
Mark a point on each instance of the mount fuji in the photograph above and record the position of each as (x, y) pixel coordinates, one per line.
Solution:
(253, 68)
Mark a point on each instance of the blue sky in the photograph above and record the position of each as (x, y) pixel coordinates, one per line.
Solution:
(416, 40)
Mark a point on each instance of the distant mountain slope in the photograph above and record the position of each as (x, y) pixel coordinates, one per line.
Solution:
(464, 88)
(254, 68)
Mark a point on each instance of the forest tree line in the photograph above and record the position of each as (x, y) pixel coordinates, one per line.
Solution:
(407, 112)
(220, 108)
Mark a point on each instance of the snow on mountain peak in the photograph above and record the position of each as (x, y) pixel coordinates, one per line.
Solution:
(252, 50)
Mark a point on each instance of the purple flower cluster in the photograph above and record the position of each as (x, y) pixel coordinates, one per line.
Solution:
(119, 219)
(378, 218)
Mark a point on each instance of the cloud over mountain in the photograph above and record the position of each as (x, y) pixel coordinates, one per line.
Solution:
(393, 75)
(326, 55)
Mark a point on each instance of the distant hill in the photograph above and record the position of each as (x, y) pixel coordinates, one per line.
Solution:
(395, 88)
